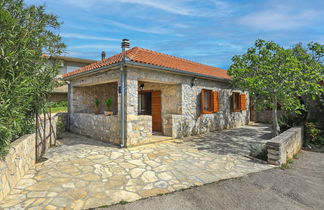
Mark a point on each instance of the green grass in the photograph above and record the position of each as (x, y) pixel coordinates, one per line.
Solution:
(284, 166)
(59, 109)
(103, 206)
(123, 202)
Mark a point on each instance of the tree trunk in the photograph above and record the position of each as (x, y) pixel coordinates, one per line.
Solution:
(275, 124)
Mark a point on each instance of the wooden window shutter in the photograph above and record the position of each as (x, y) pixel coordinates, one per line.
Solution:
(215, 101)
(243, 101)
(202, 101)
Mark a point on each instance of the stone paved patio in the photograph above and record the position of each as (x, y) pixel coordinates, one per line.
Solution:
(82, 173)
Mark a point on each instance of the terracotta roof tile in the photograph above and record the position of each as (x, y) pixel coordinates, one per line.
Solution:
(145, 56)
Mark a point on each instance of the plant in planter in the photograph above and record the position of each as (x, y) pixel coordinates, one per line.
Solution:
(108, 104)
(97, 103)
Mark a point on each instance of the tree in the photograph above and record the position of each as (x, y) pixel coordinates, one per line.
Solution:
(274, 75)
(26, 76)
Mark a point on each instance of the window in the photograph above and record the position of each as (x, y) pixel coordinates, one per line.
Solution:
(238, 102)
(144, 103)
(235, 102)
(209, 101)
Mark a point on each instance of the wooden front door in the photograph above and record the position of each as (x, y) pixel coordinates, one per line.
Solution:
(156, 111)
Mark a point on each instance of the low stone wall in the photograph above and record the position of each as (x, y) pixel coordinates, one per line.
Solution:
(139, 129)
(283, 147)
(22, 156)
(101, 127)
(179, 126)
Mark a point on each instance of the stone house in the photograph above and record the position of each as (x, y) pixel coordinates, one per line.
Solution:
(153, 94)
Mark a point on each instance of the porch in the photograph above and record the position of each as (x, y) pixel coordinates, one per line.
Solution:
(148, 106)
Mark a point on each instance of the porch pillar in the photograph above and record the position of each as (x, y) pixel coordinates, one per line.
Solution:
(70, 105)
(131, 97)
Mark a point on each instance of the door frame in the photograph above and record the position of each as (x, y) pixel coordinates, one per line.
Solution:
(151, 91)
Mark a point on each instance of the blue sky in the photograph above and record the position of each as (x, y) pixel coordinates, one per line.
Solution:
(205, 31)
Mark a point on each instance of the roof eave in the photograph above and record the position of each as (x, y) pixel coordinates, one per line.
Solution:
(73, 76)
(178, 71)
(147, 66)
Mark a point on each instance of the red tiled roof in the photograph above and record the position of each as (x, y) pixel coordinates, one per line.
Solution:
(145, 56)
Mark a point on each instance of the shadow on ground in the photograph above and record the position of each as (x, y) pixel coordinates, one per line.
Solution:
(234, 141)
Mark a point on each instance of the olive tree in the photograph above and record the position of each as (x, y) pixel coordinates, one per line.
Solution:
(26, 76)
(274, 75)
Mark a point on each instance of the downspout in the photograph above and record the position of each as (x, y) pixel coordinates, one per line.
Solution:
(69, 105)
(122, 104)
(125, 44)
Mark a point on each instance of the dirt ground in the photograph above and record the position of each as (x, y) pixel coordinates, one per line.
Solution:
(299, 187)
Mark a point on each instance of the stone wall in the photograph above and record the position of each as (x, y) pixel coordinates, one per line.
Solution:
(283, 147)
(265, 116)
(101, 127)
(84, 97)
(22, 156)
(57, 97)
(139, 129)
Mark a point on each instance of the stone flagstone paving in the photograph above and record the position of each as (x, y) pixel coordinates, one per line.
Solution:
(81, 173)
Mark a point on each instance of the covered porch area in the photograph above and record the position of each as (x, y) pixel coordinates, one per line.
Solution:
(88, 106)
(151, 102)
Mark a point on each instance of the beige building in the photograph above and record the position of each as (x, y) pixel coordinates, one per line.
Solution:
(153, 94)
(69, 64)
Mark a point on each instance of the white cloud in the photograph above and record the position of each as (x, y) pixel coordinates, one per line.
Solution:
(175, 7)
(95, 46)
(81, 36)
(153, 30)
(278, 19)
(179, 7)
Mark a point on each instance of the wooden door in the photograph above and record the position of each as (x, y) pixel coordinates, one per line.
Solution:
(156, 111)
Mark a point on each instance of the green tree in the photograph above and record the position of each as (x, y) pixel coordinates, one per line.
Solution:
(26, 76)
(273, 74)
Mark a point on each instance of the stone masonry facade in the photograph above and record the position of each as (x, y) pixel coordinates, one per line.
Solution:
(180, 106)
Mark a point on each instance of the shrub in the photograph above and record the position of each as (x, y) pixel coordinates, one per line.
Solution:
(108, 103)
(312, 132)
(26, 78)
(97, 102)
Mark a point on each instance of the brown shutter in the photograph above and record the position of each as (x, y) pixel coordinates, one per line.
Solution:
(242, 101)
(215, 101)
(202, 101)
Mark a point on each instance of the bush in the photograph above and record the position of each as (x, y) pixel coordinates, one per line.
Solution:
(57, 104)
(312, 133)
(26, 78)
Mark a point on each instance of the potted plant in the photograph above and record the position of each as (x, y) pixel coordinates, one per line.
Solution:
(108, 104)
(97, 103)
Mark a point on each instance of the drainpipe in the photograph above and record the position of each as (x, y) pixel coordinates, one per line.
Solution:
(124, 45)
(69, 105)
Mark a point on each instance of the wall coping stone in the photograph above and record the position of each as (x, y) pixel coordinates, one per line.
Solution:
(285, 146)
